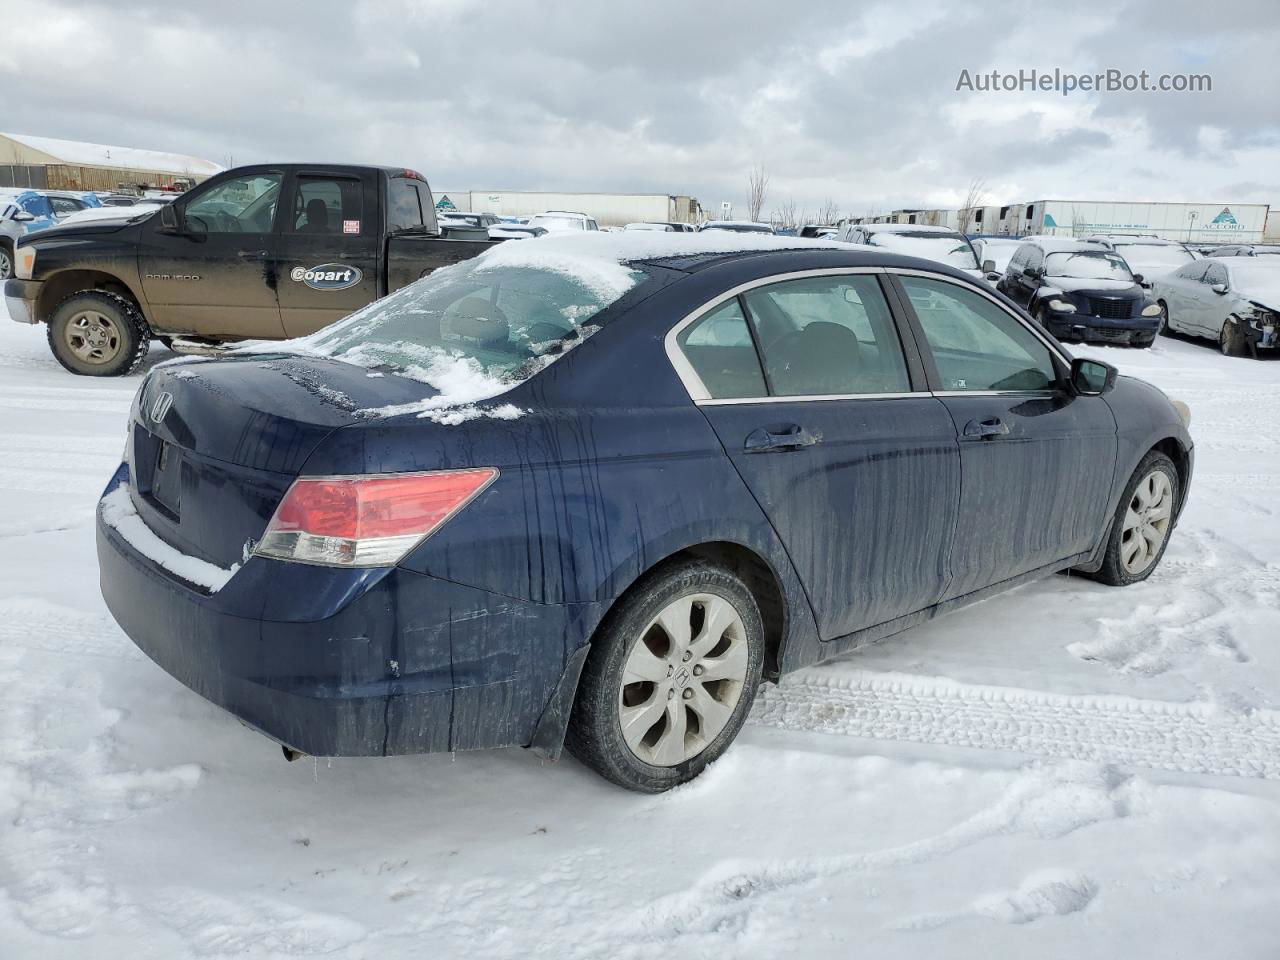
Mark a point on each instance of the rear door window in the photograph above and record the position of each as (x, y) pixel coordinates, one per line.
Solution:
(327, 206)
(975, 344)
(827, 336)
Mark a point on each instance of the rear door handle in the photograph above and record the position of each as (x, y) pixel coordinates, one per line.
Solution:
(987, 429)
(779, 439)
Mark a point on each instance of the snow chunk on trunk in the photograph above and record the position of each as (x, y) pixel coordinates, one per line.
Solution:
(120, 515)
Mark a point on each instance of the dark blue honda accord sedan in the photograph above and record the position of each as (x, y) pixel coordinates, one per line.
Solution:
(590, 491)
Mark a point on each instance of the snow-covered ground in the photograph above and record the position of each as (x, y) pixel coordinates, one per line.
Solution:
(1066, 770)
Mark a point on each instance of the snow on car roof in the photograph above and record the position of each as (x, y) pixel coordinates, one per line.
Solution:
(597, 259)
(1065, 245)
(904, 228)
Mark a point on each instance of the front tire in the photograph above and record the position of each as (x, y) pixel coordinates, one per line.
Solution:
(98, 334)
(6, 261)
(671, 676)
(1231, 339)
(1142, 524)
(1163, 330)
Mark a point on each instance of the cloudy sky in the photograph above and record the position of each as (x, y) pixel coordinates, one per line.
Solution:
(855, 103)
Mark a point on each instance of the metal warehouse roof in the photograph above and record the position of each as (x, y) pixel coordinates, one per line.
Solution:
(19, 148)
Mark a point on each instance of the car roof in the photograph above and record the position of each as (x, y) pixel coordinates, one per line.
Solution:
(600, 258)
(905, 228)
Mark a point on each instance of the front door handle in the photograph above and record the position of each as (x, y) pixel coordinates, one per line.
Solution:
(253, 254)
(778, 439)
(987, 429)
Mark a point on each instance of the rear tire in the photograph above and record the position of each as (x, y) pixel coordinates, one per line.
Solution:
(98, 334)
(1142, 524)
(6, 261)
(670, 678)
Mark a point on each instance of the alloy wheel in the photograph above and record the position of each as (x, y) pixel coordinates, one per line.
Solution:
(93, 337)
(6, 264)
(1146, 522)
(682, 679)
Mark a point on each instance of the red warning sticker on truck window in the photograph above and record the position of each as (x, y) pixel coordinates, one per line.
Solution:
(350, 226)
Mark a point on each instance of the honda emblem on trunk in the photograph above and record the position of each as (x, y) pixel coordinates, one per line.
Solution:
(161, 406)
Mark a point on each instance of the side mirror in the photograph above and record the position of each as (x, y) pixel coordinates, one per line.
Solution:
(988, 266)
(168, 220)
(1032, 273)
(23, 217)
(1219, 288)
(1092, 378)
(1138, 279)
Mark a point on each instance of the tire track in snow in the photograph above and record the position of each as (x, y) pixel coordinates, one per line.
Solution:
(1187, 738)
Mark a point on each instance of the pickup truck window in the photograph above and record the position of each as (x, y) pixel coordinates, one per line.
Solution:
(404, 209)
(327, 205)
(505, 322)
(240, 205)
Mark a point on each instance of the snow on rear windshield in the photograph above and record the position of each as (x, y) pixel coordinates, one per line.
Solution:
(954, 251)
(492, 321)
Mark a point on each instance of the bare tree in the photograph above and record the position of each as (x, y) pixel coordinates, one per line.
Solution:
(758, 190)
(785, 217)
(973, 199)
(829, 212)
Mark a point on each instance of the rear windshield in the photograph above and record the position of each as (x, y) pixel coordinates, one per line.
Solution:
(505, 321)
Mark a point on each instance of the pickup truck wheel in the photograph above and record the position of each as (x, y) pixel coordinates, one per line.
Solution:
(6, 261)
(670, 678)
(98, 334)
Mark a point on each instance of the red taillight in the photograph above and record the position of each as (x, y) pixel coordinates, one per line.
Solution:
(366, 521)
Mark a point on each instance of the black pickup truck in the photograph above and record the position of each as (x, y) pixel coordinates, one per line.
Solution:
(260, 252)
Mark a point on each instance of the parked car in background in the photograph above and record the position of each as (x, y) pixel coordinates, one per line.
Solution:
(478, 220)
(998, 250)
(261, 252)
(39, 211)
(660, 498)
(941, 244)
(736, 226)
(554, 220)
(1234, 300)
(515, 231)
(119, 199)
(818, 231)
(663, 226)
(1149, 256)
(1081, 291)
(13, 226)
(1246, 250)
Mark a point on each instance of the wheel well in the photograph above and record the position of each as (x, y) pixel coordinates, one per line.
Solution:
(61, 285)
(763, 584)
(1172, 449)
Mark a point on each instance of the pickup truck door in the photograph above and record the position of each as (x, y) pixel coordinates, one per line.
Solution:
(328, 258)
(215, 275)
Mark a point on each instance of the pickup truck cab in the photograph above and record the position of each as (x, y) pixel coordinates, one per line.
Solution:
(261, 252)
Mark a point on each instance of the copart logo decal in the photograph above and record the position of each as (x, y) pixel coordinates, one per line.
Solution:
(327, 276)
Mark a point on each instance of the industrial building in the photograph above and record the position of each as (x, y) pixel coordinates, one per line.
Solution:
(1187, 222)
(608, 209)
(44, 163)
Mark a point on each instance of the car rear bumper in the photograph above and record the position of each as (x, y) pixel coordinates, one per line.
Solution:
(336, 662)
(20, 298)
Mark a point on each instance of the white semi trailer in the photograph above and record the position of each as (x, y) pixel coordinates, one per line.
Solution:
(1188, 222)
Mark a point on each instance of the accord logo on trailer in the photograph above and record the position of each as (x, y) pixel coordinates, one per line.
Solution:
(327, 276)
(161, 406)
